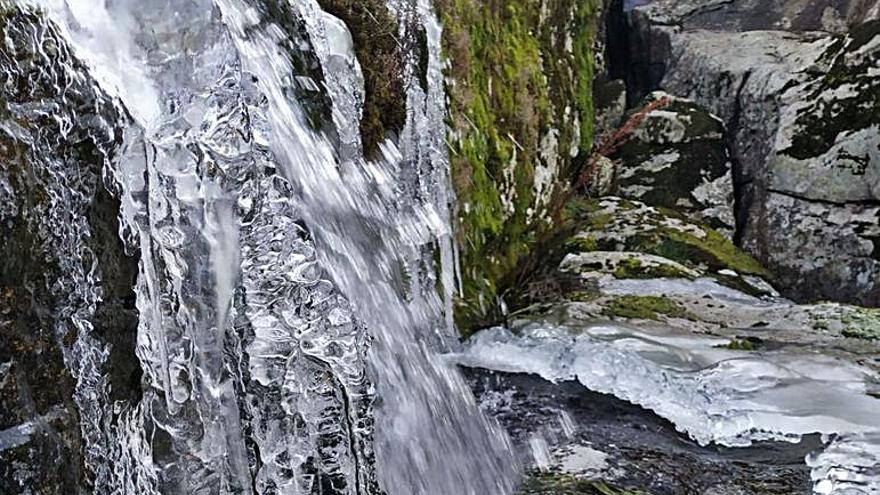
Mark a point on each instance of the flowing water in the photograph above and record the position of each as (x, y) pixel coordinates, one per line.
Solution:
(292, 313)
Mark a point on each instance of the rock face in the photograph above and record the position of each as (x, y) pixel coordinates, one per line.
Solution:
(677, 158)
(521, 115)
(801, 107)
(53, 292)
(609, 99)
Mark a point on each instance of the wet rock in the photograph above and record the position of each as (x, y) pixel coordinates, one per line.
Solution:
(678, 158)
(597, 444)
(801, 109)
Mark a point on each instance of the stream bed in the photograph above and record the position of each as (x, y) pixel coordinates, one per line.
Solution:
(667, 412)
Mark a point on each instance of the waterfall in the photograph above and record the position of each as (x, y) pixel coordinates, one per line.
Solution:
(292, 313)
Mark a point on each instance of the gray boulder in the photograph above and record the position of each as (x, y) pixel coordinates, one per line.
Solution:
(801, 106)
(678, 158)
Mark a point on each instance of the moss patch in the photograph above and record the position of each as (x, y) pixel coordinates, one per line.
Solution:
(517, 77)
(715, 250)
(646, 308)
(655, 231)
(559, 484)
(862, 323)
(746, 344)
(633, 268)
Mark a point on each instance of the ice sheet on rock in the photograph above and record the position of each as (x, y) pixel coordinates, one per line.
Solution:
(850, 464)
(342, 73)
(712, 394)
(59, 129)
(269, 245)
(699, 287)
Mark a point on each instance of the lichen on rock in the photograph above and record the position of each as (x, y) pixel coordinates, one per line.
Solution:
(800, 106)
(678, 158)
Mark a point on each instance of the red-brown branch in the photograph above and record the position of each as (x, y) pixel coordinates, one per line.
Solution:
(610, 143)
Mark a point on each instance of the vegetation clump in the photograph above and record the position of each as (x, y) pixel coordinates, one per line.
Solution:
(521, 117)
(862, 323)
(374, 32)
(633, 268)
(559, 484)
(746, 344)
(647, 308)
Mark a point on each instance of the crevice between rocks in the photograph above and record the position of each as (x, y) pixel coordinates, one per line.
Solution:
(743, 185)
(801, 197)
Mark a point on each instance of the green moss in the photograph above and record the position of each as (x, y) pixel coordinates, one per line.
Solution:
(746, 344)
(647, 308)
(582, 245)
(820, 323)
(654, 234)
(374, 32)
(583, 296)
(862, 323)
(633, 268)
(714, 250)
(560, 484)
(516, 75)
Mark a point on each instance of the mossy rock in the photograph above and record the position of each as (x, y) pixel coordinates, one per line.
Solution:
(614, 224)
(549, 483)
(647, 308)
(678, 158)
(622, 239)
(862, 323)
(521, 118)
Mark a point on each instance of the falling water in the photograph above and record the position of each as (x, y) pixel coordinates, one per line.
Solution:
(291, 312)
